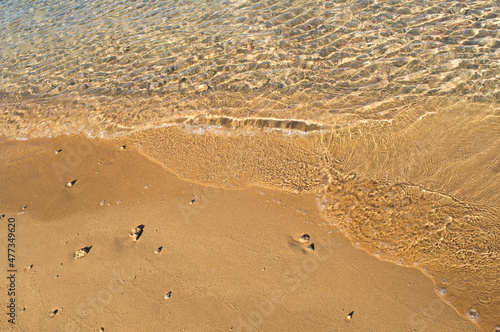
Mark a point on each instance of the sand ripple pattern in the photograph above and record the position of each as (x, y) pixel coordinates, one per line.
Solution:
(119, 65)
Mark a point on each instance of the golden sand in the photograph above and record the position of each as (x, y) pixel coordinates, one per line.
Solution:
(230, 259)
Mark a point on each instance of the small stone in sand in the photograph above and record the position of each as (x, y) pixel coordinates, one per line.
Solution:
(168, 295)
(249, 45)
(350, 315)
(101, 329)
(58, 151)
(202, 87)
(311, 247)
(136, 233)
(123, 147)
(473, 315)
(157, 251)
(304, 238)
(82, 252)
(53, 313)
(71, 183)
(103, 202)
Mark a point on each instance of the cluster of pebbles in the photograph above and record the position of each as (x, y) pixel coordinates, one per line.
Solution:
(134, 234)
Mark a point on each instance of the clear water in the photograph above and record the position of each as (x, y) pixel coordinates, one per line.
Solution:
(397, 101)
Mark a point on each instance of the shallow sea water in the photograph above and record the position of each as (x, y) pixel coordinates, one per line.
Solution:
(387, 110)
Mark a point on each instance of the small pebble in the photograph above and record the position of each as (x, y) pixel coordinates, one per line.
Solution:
(71, 183)
(249, 45)
(82, 252)
(473, 315)
(136, 233)
(311, 247)
(202, 87)
(168, 295)
(304, 238)
(350, 315)
(157, 251)
(53, 313)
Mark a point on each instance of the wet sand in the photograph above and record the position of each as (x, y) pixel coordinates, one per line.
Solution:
(230, 259)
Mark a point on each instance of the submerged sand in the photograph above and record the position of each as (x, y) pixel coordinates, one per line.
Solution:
(230, 259)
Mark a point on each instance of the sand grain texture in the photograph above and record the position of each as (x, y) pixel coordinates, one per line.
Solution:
(230, 259)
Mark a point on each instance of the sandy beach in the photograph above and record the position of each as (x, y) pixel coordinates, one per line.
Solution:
(250, 165)
(208, 258)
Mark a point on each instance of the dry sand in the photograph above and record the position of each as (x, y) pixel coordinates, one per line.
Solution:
(229, 259)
